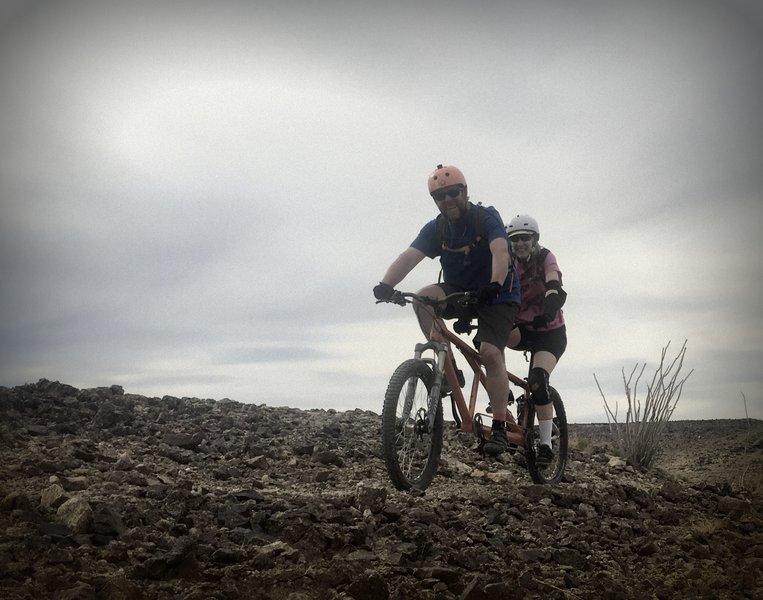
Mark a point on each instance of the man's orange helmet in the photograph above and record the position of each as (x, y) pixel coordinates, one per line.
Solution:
(445, 176)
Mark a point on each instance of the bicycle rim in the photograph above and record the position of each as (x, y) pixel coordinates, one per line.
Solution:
(411, 452)
(551, 473)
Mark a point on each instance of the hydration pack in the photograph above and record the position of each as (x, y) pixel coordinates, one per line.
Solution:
(475, 216)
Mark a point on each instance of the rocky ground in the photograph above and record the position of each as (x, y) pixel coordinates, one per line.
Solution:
(105, 494)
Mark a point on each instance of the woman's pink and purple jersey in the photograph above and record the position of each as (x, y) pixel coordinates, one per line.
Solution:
(533, 284)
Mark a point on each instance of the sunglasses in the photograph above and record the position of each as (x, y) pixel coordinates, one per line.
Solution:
(452, 192)
(521, 238)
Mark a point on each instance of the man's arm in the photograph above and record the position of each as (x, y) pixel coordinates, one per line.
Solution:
(499, 248)
(403, 265)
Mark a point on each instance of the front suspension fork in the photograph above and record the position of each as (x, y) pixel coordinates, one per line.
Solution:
(438, 366)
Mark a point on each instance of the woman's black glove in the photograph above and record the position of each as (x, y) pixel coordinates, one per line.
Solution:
(540, 321)
(487, 293)
(383, 291)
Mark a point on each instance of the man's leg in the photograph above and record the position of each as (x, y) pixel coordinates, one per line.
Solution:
(425, 314)
(495, 324)
(497, 386)
(496, 379)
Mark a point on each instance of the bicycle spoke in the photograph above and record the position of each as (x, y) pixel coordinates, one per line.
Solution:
(554, 471)
(412, 422)
(411, 451)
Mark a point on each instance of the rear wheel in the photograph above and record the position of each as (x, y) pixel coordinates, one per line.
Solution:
(553, 472)
(411, 450)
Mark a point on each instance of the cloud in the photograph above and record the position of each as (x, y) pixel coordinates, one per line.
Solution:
(267, 354)
(201, 199)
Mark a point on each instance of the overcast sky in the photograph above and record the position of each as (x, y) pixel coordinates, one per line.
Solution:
(197, 197)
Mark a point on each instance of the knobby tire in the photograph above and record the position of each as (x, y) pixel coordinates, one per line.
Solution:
(411, 454)
(554, 472)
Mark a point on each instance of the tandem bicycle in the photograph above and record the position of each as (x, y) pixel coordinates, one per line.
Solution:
(412, 416)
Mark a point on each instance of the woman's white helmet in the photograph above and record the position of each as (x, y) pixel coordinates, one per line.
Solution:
(523, 224)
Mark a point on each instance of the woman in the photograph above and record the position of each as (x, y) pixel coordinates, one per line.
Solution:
(539, 326)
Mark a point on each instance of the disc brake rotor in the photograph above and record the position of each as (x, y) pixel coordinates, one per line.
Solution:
(421, 427)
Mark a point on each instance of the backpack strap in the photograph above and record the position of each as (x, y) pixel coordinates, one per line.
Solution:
(476, 227)
(440, 223)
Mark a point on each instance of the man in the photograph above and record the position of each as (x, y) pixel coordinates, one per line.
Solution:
(472, 244)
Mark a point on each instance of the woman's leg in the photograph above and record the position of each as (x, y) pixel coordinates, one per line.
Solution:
(515, 336)
(542, 365)
(546, 361)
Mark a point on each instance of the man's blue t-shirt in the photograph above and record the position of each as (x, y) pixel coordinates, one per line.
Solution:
(469, 270)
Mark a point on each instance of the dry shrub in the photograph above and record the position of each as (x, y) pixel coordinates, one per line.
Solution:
(639, 437)
(749, 481)
(578, 442)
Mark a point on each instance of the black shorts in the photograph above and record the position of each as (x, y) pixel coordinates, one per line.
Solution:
(553, 341)
(494, 322)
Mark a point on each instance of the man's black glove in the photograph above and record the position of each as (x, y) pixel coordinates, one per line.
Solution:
(540, 321)
(383, 291)
(487, 293)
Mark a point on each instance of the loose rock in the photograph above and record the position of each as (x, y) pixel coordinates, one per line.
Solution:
(105, 494)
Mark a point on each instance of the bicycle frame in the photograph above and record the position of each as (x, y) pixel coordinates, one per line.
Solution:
(441, 342)
(412, 465)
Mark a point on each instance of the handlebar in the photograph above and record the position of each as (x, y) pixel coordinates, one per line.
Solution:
(403, 298)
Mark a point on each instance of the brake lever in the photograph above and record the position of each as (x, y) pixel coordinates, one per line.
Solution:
(397, 298)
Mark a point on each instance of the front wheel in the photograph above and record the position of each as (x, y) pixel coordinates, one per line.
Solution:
(410, 448)
(553, 472)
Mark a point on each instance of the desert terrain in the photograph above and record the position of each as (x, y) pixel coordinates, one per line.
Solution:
(106, 494)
